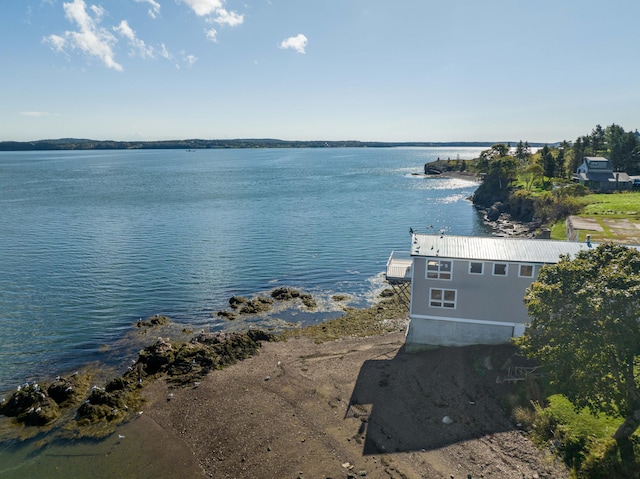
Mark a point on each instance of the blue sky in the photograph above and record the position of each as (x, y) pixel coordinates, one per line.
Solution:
(407, 70)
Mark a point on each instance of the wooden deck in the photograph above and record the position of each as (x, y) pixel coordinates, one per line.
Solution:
(399, 267)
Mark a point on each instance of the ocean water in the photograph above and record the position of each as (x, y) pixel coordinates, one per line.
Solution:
(92, 241)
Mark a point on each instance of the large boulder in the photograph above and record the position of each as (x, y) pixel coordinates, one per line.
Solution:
(156, 357)
(67, 391)
(31, 405)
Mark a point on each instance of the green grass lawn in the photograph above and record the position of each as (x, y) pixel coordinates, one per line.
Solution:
(617, 216)
(626, 204)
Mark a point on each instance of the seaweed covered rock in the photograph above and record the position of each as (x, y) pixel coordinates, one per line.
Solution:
(229, 315)
(31, 405)
(256, 305)
(285, 294)
(68, 391)
(236, 301)
(102, 404)
(123, 383)
(386, 293)
(288, 294)
(156, 357)
(209, 351)
(243, 305)
(157, 320)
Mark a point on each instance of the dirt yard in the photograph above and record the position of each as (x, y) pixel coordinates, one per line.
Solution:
(355, 407)
(604, 229)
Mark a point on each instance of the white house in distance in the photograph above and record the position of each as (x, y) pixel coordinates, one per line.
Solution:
(469, 290)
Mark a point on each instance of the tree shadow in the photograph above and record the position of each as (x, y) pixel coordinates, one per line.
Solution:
(427, 400)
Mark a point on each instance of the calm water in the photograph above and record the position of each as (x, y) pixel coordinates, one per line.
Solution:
(91, 241)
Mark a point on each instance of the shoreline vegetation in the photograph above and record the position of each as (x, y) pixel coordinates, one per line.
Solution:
(196, 144)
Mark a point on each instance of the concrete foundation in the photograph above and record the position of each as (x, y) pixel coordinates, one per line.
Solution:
(424, 334)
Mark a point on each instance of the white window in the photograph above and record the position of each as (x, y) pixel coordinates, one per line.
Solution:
(476, 267)
(526, 271)
(442, 298)
(500, 269)
(438, 269)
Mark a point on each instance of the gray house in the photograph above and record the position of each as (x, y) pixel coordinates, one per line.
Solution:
(469, 290)
(597, 173)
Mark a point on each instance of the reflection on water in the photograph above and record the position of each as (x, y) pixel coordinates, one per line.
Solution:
(138, 449)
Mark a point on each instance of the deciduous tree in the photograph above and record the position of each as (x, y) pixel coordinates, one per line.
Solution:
(585, 325)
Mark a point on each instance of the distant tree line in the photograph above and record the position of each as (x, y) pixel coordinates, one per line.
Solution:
(85, 144)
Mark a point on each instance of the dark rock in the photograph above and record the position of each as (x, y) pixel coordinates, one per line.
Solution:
(387, 293)
(157, 356)
(32, 406)
(288, 294)
(285, 294)
(68, 391)
(102, 404)
(256, 305)
(236, 301)
(229, 315)
(117, 384)
(209, 351)
(495, 211)
(157, 320)
(308, 301)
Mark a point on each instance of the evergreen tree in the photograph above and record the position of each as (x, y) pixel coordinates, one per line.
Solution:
(578, 154)
(522, 151)
(548, 162)
(597, 140)
(559, 163)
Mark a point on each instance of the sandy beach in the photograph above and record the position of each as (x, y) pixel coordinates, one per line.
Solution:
(352, 407)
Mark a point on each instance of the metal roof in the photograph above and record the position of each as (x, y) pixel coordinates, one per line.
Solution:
(491, 248)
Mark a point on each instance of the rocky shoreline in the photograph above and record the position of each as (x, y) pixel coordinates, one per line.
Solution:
(502, 224)
(70, 404)
(336, 399)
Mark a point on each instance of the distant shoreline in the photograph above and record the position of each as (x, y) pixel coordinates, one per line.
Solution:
(199, 144)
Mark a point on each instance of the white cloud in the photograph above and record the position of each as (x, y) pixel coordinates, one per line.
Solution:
(228, 18)
(56, 41)
(214, 12)
(212, 34)
(154, 9)
(297, 43)
(139, 47)
(204, 7)
(187, 60)
(164, 53)
(90, 38)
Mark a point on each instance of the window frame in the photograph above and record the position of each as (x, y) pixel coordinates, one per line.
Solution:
(481, 263)
(506, 269)
(439, 273)
(443, 302)
(520, 275)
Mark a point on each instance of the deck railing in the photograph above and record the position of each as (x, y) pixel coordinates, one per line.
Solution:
(399, 266)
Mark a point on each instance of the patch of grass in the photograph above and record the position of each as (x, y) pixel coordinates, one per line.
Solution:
(624, 204)
(583, 440)
(559, 230)
(581, 422)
